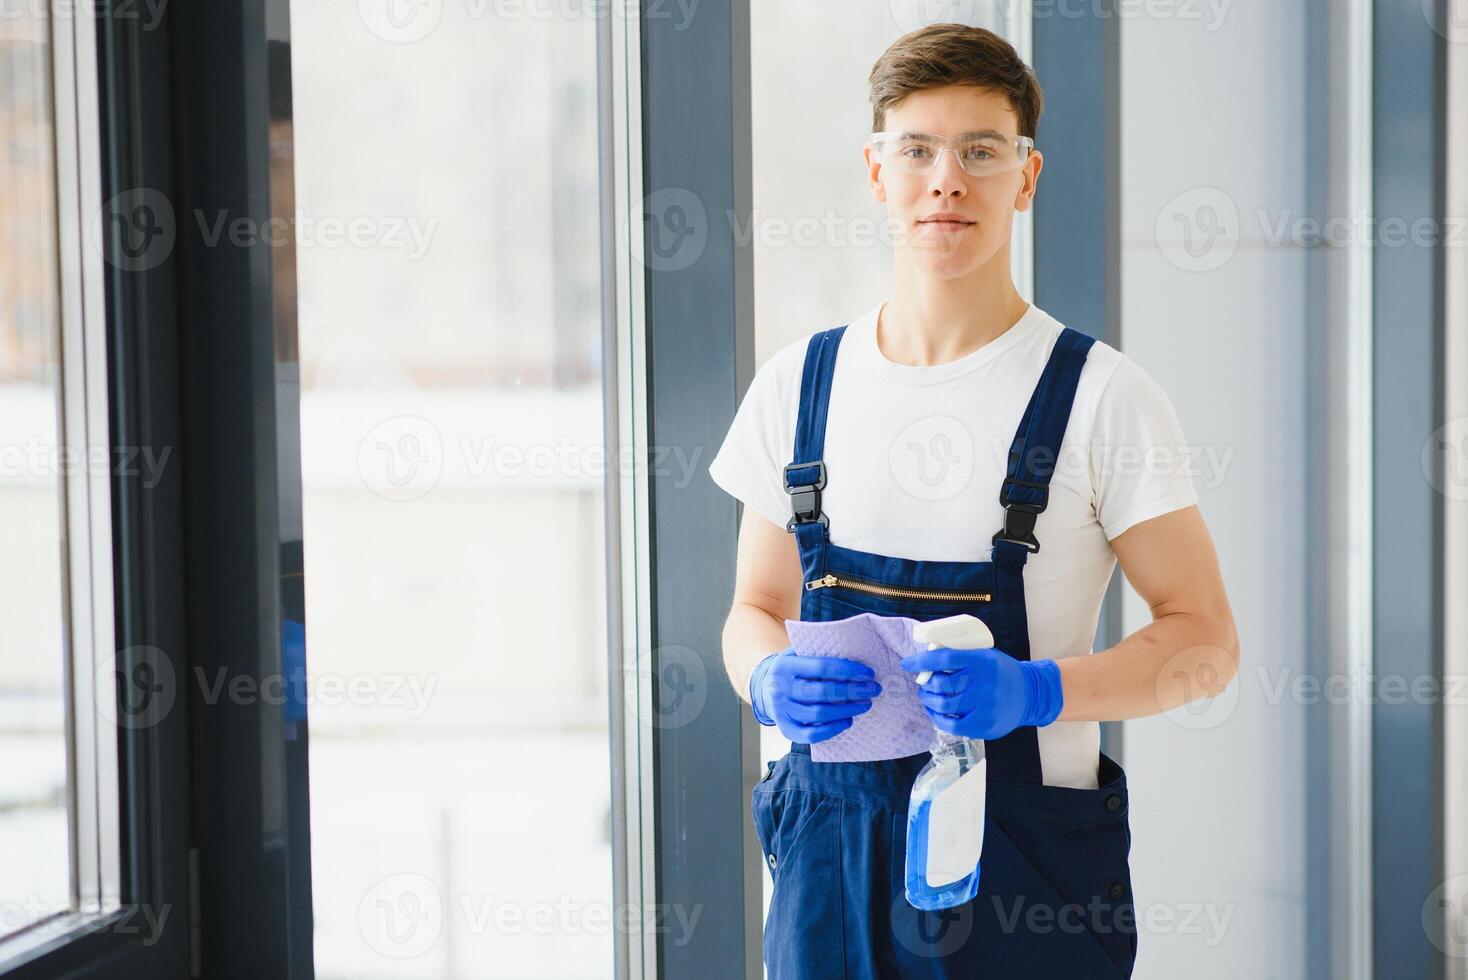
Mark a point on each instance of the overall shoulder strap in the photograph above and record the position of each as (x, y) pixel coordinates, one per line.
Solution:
(805, 475)
(1025, 491)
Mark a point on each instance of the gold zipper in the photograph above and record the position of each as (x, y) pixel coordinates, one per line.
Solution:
(828, 580)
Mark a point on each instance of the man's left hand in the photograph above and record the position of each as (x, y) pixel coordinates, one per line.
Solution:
(986, 693)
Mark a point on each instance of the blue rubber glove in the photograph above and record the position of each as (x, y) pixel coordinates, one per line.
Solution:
(810, 699)
(986, 693)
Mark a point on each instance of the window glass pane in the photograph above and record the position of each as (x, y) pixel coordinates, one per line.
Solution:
(35, 882)
(451, 423)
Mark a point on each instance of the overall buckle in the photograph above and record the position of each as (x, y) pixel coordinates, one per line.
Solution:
(1019, 518)
(805, 498)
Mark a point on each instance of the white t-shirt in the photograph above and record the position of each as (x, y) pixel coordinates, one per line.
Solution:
(915, 456)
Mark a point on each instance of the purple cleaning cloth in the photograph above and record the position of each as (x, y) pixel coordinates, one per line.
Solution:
(896, 724)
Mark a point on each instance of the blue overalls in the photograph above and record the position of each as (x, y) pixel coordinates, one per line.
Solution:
(1054, 897)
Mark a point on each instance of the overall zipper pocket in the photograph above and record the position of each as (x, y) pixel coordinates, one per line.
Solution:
(846, 582)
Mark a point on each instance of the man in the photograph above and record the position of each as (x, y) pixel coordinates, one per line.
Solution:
(957, 450)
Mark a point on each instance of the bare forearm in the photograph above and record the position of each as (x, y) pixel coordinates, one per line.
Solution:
(750, 635)
(1173, 660)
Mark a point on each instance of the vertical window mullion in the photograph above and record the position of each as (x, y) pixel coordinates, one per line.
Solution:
(88, 637)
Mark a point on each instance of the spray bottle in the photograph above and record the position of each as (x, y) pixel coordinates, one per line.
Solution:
(945, 814)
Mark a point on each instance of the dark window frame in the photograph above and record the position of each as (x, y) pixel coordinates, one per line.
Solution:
(204, 569)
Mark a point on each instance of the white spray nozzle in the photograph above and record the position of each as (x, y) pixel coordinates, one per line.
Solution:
(961, 632)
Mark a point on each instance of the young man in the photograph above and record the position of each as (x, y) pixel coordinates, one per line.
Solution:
(955, 449)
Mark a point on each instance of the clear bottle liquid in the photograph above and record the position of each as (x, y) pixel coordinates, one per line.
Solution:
(945, 812)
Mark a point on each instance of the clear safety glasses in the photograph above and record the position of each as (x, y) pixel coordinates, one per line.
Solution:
(979, 154)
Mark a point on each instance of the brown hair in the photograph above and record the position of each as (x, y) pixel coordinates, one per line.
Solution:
(954, 54)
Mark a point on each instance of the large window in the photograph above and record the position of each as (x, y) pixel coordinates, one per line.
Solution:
(451, 422)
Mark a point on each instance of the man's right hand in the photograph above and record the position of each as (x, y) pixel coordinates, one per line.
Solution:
(810, 699)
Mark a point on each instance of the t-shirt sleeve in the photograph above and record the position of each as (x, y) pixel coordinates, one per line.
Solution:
(750, 464)
(1141, 466)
